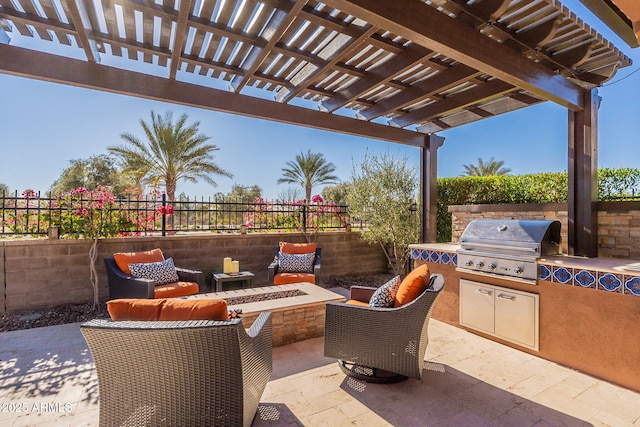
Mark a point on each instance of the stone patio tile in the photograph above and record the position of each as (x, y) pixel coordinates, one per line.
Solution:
(516, 417)
(309, 389)
(353, 408)
(556, 407)
(610, 397)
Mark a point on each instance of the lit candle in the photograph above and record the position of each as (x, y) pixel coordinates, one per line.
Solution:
(226, 266)
(235, 267)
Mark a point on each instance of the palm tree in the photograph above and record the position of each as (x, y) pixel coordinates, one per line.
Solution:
(492, 167)
(173, 152)
(308, 170)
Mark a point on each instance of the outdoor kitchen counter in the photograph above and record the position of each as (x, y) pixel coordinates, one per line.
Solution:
(588, 309)
(612, 265)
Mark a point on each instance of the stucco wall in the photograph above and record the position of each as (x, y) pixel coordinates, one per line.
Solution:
(46, 273)
(618, 223)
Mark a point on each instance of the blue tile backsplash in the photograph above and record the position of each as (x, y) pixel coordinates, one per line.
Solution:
(592, 279)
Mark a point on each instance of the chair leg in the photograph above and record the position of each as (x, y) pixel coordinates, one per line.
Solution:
(370, 375)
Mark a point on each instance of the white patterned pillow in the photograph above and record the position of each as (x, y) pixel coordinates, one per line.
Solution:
(162, 272)
(296, 263)
(385, 295)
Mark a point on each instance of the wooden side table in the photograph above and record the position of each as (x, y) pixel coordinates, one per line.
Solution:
(219, 278)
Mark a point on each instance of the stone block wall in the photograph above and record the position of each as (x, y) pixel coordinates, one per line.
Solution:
(294, 324)
(619, 230)
(46, 273)
(618, 223)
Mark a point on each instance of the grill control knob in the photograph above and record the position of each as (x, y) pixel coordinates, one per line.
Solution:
(518, 270)
(480, 265)
(469, 263)
(492, 266)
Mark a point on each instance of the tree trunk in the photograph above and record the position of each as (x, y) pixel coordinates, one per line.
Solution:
(93, 255)
(170, 185)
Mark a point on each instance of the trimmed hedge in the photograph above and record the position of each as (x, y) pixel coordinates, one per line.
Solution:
(551, 187)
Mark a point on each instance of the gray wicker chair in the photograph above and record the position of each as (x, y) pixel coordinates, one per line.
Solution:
(273, 267)
(180, 373)
(123, 286)
(380, 344)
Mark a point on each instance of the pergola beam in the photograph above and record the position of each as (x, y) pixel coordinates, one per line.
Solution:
(455, 75)
(52, 68)
(383, 74)
(80, 18)
(424, 25)
(180, 37)
(278, 24)
(455, 102)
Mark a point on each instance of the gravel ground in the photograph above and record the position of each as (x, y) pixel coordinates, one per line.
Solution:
(84, 312)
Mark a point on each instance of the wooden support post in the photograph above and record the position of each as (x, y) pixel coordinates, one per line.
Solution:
(428, 187)
(583, 178)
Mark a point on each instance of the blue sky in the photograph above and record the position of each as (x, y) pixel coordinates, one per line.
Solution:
(44, 125)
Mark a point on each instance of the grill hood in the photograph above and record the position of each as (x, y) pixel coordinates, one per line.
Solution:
(507, 248)
(530, 237)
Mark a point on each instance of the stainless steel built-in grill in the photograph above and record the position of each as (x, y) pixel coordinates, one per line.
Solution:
(507, 248)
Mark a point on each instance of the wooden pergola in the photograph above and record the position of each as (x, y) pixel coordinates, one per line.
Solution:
(396, 70)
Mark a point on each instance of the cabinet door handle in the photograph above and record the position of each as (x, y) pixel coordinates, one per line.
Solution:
(484, 291)
(507, 297)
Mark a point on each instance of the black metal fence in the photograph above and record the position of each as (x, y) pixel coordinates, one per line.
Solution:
(80, 213)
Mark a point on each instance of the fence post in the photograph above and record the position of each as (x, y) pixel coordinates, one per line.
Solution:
(304, 217)
(164, 214)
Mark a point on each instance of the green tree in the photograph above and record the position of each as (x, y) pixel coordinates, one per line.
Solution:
(492, 167)
(173, 151)
(4, 189)
(243, 192)
(336, 193)
(308, 170)
(382, 194)
(91, 173)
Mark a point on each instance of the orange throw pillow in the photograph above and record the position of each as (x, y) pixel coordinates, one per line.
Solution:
(412, 285)
(194, 309)
(135, 309)
(123, 259)
(297, 248)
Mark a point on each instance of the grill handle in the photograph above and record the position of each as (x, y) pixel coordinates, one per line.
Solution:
(490, 246)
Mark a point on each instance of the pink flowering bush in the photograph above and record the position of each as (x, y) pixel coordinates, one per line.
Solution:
(92, 214)
(24, 216)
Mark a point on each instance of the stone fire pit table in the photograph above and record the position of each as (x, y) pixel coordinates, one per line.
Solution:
(298, 309)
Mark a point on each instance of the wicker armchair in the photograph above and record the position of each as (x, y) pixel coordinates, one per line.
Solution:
(181, 372)
(123, 286)
(380, 344)
(313, 277)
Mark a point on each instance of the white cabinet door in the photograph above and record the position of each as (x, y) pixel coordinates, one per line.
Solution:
(477, 306)
(505, 313)
(516, 317)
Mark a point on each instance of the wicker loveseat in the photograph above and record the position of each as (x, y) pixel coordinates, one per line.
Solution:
(180, 373)
(380, 344)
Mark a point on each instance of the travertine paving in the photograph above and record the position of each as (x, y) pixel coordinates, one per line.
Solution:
(47, 378)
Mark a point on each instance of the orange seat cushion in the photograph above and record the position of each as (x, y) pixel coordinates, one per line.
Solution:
(412, 286)
(123, 259)
(175, 289)
(286, 278)
(356, 302)
(134, 309)
(194, 309)
(167, 309)
(297, 248)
